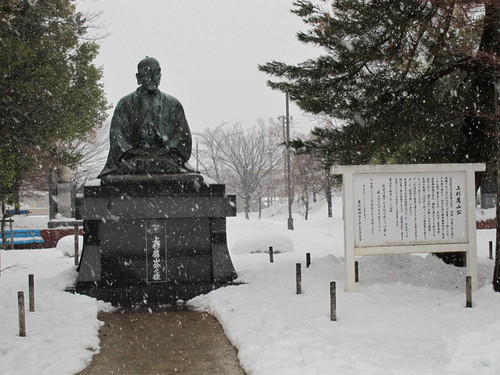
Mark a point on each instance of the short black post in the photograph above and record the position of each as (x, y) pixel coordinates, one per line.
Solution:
(308, 260)
(298, 276)
(22, 314)
(31, 283)
(77, 256)
(468, 291)
(491, 250)
(356, 272)
(271, 254)
(333, 301)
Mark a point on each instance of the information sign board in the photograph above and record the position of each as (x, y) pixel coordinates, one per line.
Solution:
(416, 208)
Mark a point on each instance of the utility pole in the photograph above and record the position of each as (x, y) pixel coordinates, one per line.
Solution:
(288, 163)
(283, 128)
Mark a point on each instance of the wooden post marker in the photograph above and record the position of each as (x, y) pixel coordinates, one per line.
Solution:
(22, 314)
(308, 260)
(31, 283)
(468, 291)
(271, 254)
(333, 301)
(77, 256)
(356, 272)
(491, 250)
(298, 276)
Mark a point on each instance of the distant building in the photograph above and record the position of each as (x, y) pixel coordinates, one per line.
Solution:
(37, 202)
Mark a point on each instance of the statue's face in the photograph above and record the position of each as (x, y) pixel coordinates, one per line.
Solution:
(149, 76)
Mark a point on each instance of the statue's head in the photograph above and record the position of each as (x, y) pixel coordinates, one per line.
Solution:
(149, 74)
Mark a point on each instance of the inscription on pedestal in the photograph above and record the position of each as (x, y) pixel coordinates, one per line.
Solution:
(156, 251)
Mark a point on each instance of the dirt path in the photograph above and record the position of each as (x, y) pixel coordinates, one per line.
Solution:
(181, 342)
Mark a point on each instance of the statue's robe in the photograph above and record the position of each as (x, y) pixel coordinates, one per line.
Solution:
(149, 121)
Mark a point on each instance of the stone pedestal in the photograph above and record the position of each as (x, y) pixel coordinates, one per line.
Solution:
(64, 198)
(152, 240)
(61, 196)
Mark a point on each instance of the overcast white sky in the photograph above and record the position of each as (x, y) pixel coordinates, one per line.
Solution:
(209, 51)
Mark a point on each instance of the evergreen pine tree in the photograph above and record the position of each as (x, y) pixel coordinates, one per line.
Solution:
(411, 80)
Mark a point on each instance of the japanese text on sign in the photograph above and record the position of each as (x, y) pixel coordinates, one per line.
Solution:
(396, 208)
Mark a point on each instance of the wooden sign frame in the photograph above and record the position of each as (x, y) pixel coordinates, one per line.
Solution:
(409, 208)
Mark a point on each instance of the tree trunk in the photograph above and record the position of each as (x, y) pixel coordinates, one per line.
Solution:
(490, 44)
(306, 205)
(247, 207)
(4, 238)
(328, 195)
(496, 270)
(17, 205)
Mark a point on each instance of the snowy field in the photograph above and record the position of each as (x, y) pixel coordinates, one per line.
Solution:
(407, 317)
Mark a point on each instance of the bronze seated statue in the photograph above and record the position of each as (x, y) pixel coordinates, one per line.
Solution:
(156, 161)
(149, 133)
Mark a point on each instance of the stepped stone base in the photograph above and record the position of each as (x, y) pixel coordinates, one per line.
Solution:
(152, 240)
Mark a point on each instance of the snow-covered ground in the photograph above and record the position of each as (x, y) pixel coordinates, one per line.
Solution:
(407, 317)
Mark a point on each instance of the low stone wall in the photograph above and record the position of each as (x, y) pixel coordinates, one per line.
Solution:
(53, 235)
(50, 238)
(486, 224)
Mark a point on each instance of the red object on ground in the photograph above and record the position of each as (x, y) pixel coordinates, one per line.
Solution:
(53, 235)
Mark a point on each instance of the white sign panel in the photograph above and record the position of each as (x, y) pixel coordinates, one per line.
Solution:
(409, 208)
(400, 209)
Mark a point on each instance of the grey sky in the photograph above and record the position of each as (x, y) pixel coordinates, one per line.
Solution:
(209, 51)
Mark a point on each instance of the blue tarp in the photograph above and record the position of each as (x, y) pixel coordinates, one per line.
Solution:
(24, 236)
(21, 212)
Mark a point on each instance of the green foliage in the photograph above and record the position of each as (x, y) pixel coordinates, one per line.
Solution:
(7, 174)
(411, 81)
(49, 88)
